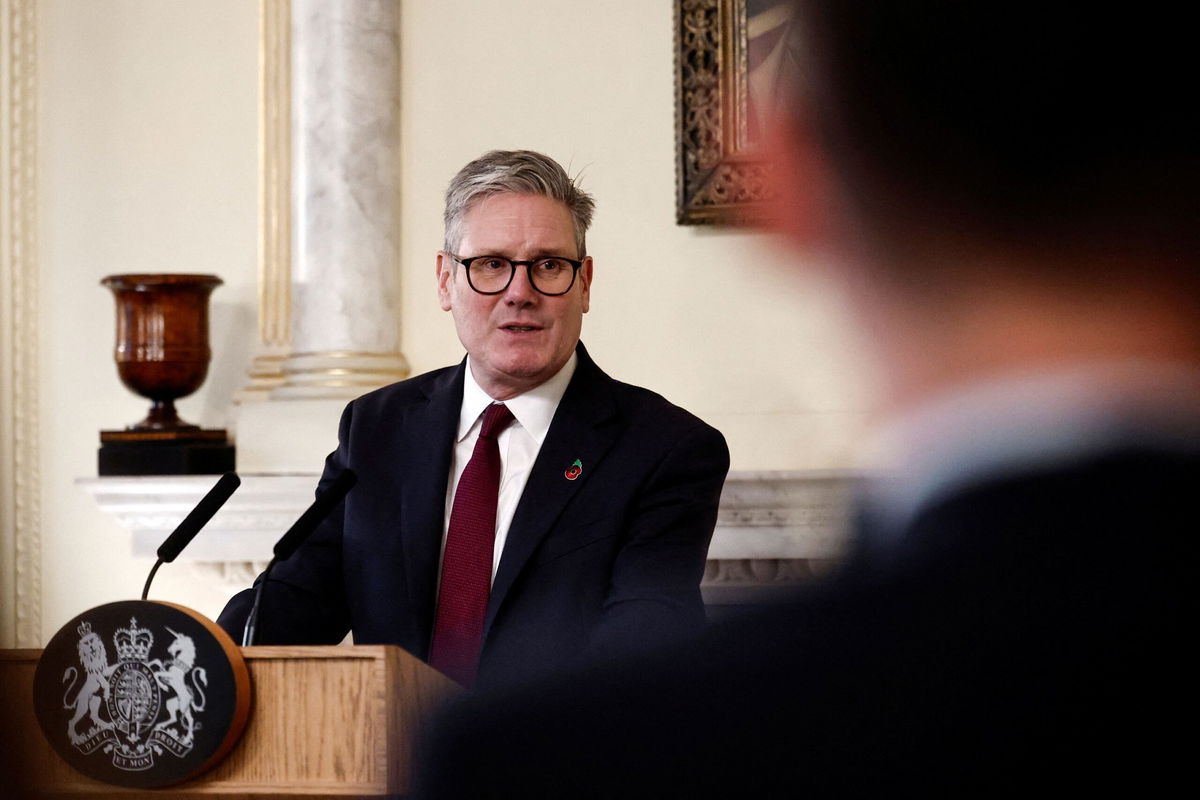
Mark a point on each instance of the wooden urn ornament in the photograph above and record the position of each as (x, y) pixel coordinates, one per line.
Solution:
(162, 354)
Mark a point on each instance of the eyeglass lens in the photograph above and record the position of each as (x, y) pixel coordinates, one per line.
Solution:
(549, 275)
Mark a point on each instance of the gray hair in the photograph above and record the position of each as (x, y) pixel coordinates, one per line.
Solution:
(514, 172)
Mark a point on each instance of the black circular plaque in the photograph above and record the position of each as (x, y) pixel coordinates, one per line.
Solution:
(141, 694)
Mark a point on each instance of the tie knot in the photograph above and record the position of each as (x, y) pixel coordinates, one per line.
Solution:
(495, 419)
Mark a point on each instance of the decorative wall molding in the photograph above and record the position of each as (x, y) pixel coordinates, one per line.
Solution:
(274, 198)
(20, 472)
(775, 530)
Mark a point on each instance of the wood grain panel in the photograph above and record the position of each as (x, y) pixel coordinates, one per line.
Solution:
(326, 722)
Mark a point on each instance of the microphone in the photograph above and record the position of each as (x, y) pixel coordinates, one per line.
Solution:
(192, 523)
(301, 529)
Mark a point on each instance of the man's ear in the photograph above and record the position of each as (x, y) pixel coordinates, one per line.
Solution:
(445, 274)
(585, 275)
(804, 189)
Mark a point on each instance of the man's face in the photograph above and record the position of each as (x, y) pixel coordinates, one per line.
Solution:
(519, 338)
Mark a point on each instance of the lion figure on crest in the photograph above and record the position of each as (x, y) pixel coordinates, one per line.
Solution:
(96, 670)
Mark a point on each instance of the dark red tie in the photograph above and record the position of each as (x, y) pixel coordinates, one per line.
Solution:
(467, 562)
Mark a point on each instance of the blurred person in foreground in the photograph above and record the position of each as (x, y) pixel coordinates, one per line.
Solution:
(521, 510)
(1005, 193)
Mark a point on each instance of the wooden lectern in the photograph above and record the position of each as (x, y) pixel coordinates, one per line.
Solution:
(325, 722)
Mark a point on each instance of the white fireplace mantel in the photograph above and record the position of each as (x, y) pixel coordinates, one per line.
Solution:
(772, 527)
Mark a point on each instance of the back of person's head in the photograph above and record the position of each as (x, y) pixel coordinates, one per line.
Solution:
(1031, 123)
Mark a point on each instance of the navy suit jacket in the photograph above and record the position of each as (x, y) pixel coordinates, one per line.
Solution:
(1030, 636)
(610, 560)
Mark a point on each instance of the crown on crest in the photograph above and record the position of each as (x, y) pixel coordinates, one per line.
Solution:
(84, 629)
(133, 643)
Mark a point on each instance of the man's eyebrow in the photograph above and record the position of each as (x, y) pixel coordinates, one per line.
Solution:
(538, 254)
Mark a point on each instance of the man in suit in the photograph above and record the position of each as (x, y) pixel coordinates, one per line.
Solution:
(1005, 195)
(522, 510)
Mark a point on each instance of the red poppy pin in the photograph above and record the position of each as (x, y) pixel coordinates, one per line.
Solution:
(574, 471)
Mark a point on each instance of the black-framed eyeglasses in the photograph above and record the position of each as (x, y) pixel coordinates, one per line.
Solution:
(552, 275)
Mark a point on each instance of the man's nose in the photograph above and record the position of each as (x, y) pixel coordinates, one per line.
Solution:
(520, 291)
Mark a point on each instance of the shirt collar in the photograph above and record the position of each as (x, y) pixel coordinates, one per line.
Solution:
(533, 410)
(1020, 422)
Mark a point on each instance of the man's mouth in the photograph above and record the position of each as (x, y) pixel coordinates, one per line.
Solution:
(520, 328)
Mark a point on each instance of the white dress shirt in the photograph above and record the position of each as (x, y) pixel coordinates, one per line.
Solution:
(519, 444)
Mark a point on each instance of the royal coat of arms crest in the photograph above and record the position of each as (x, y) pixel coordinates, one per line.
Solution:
(162, 710)
(124, 703)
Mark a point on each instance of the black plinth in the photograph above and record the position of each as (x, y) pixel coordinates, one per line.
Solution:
(200, 452)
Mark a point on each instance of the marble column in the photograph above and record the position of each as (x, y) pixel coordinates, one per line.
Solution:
(344, 282)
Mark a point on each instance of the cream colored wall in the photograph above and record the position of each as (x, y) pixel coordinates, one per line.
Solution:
(717, 321)
(148, 164)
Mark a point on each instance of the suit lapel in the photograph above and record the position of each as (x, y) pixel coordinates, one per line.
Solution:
(582, 430)
(428, 442)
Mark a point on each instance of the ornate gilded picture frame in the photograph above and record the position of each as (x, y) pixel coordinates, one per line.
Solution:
(728, 58)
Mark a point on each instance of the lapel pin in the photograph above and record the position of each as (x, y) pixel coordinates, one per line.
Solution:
(574, 471)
